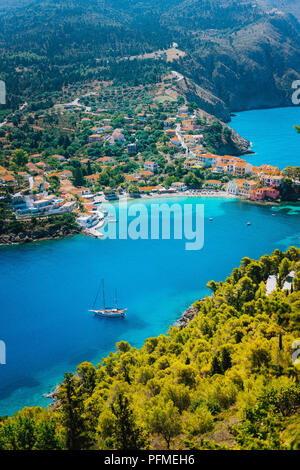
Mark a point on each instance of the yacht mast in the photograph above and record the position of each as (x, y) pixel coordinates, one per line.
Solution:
(116, 298)
(103, 294)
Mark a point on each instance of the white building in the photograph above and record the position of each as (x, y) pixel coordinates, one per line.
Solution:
(289, 281)
(179, 186)
(232, 188)
(88, 220)
(151, 166)
(271, 284)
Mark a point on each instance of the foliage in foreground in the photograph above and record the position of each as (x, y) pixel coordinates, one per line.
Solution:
(227, 380)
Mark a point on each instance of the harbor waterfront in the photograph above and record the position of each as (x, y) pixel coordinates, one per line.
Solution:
(47, 327)
(48, 287)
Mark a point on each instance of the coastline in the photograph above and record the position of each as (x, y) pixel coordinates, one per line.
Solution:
(28, 240)
(183, 316)
(187, 316)
(183, 195)
(211, 194)
(9, 240)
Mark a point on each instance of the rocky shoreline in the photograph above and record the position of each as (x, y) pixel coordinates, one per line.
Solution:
(23, 238)
(187, 316)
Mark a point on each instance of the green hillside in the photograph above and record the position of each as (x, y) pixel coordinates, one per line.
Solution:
(244, 54)
(225, 381)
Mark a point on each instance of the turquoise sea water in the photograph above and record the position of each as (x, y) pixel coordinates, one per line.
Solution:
(272, 133)
(48, 287)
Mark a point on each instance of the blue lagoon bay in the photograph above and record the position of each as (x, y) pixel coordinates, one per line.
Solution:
(48, 287)
(272, 134)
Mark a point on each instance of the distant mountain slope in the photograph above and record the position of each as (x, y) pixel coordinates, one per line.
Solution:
(249, 66)
(289, 6)
(243, 53)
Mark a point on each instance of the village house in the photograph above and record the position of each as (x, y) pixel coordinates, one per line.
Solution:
(179, 186)
(44, 166)
(7, 179)
(190, 140)
(95, 138)
(199, 138)
(149, 189)
(131, 179)
(182, 116)
(47, 205)
(116, 137)
(175, 141)
(242, 169)
(131, 149)
(262, 193)
(93, 179)
(183, 109)
(187, 124)
(151, 166)
(88, 220)
(65, 174)
(168, 124)
(258, 194)
(220, 168)
(206, 160)
(230, 168)
(171, 132)
(248, 186)
(270, 169)
(272, 180)
(217, 160)
(213, 184)
(106, 160)
(24, 175)
(200, 149)
(38, 182)
(288, 282)
(188, 164)
(146, 174)
(33, 169)
(59, 158)
(233, 186)
(81, 192)
(271, 193)
(18, 201)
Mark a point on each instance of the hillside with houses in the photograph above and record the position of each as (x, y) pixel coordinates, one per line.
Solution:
(103, 142)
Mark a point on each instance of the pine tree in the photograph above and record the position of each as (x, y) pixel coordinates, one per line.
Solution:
(127, 435)
(226, 362)
(216, 367)
(89, 168)
(78, 177)
(71, 410)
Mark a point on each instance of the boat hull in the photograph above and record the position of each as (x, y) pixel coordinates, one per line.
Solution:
(110, 313)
